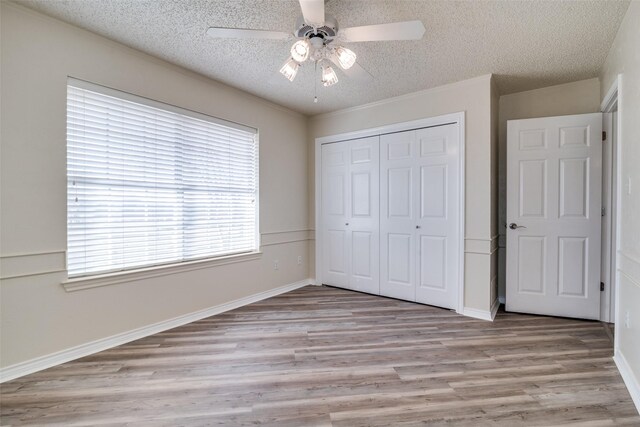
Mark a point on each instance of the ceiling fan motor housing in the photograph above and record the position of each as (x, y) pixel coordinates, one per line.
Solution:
(327, 31)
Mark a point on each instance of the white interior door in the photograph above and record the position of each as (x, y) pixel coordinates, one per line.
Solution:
(335, 248)
(350, 213)
(554, 169)
(419, 223)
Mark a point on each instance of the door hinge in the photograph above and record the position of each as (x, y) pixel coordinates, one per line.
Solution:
(601, 286)
(604, 136)
(603, 211)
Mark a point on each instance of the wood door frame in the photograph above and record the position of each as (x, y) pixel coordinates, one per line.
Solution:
(453, 118)
(611, 103)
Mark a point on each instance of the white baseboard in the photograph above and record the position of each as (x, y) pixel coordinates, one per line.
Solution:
(57, 358)
(482, 314)
(629, 378)
(494, 308)
(477, 314)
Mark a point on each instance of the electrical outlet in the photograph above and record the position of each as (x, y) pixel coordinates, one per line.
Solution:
(276, 265)
(627, 319)
(299, 259)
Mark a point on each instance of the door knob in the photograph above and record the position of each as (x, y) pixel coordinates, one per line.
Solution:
(417, 226)
(514, 226)
(346, 223)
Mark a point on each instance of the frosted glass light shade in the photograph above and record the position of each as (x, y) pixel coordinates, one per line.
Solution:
(346, 57)
(300, 50)
(329, 76)
(290, 69)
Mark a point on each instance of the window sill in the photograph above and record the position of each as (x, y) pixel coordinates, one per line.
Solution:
(89, 282)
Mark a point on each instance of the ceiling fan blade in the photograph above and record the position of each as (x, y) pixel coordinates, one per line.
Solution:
(243, 33)
(313, 12)
(355, 72)
(407, 30)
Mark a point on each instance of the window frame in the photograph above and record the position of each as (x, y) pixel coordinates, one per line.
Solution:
(120, 275)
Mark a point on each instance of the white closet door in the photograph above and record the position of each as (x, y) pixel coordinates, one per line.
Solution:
(350, 209)
(437, 238)
(419, 235)
(398, 193)
(363, 228)
(335, 247)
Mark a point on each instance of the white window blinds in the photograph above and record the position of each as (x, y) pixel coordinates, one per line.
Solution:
(149, 183)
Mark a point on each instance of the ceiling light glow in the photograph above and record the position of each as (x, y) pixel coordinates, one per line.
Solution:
(290, 69)
(329, 76)
(346, 57)
(300, 50)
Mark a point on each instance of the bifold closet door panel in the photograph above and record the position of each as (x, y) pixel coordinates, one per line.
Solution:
(398, 192)
(350, 209)
(419, 237)
(335, 238)
(364, 197)
(437, 214)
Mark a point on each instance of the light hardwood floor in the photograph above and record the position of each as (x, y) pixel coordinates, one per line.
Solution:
(320, 356)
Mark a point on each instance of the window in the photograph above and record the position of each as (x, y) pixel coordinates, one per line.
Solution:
(150, 183)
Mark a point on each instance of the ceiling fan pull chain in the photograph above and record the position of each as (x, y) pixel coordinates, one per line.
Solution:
(315, 82)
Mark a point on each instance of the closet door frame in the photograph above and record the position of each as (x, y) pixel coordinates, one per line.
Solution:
(454, 118)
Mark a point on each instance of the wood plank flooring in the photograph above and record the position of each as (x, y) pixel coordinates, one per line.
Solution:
(321, 356)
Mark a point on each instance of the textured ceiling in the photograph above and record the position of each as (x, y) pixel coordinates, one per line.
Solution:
(526, 44)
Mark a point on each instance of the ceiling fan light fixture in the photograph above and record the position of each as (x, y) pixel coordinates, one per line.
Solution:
(346, 57)
(317, 36)
(290, 69)
(329, 76)
(300, 50)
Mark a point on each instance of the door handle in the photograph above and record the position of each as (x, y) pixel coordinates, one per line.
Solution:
(346, 223)
(417, 226)
(514, 226)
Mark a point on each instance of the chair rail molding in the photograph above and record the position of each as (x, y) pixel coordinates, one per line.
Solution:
(281, 237)
(481, 246)
(32, 264)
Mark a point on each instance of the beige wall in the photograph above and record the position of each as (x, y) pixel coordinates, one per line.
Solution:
(624, 58)
(38, 317)
(570, 98)
(474, 98)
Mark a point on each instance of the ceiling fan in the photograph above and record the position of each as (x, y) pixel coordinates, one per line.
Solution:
(320, 40)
